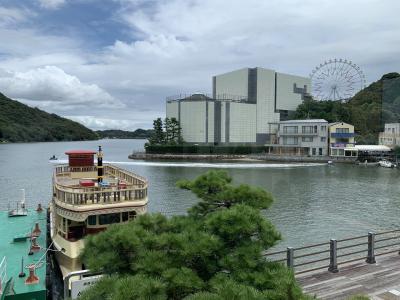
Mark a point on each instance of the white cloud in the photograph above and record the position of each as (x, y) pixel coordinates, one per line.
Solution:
(99, 123)
(12, 16)
(51, 4)
(177, 45)
(51, 87)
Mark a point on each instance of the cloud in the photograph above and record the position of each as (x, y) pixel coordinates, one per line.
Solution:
(51, 87)
(98, 123)
(12, 16)
(51, 4)
(169, 47)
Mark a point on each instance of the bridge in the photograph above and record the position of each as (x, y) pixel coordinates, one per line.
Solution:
(337, 269)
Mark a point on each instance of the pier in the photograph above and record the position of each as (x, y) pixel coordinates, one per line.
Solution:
(337, 269)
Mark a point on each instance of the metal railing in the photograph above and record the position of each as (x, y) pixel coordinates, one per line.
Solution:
(135, 188)
(330, 255)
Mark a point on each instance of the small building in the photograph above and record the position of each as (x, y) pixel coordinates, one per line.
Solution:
(301, 137)
(341, 140)
(391, 135)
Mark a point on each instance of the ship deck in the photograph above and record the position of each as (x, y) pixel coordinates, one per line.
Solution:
(17, 227)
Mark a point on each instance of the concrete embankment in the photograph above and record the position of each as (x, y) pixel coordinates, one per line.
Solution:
(146, 156)
(249, 157)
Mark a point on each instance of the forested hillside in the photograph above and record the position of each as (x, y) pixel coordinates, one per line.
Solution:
(21, 123)
(368, 110)
(123, 134)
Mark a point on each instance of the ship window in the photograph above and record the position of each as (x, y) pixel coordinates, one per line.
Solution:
(132, 214)
(125, 216)
(109, 219)
(91, 220)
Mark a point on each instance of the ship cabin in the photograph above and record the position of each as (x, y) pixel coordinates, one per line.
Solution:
(88, 197)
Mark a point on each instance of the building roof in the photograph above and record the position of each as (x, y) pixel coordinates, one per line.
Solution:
(21, 227)
(343, 123)
(87, 152)
(304, 121)
(380, 148)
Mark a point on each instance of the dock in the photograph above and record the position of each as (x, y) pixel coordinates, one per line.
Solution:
(379, 281)
(366, 265)
(23, 256)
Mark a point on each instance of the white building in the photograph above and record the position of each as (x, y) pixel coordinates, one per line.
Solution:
(243, 104)
(301, 137)
(391, 135)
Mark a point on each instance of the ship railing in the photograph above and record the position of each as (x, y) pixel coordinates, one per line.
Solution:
(102, 196)
(3, 275)
(331, 255)
(127, 176)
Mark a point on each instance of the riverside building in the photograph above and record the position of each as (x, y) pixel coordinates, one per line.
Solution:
(242, 106)
(300, 137)
(391, 135)
(341, 140)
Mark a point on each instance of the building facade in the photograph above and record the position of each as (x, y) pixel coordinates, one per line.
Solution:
(243, 104)
(391, 135)
(301, 137)
(341, 140)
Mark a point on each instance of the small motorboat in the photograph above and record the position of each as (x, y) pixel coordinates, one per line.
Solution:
(386, 164)
(53, 157)
(20, 210)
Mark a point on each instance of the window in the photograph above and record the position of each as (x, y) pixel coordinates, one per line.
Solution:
(307, 139)
(307, 129)
(132, 215)
(320, 151)
(288, 140)
(323, 128)
(342, 130)
(314, 151)
(290, 129)
(323, 139)
(341, 152)
(109, 219)
(334, 152)
(91, 220)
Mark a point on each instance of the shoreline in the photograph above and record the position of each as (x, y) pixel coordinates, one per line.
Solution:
(238, 157)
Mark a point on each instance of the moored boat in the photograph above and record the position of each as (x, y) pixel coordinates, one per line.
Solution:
(87, 198)
(386, 164)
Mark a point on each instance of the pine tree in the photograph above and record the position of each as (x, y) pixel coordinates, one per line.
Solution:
(214, 252)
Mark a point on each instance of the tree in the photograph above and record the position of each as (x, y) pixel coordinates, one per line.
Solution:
(214, 252)
(158, 136)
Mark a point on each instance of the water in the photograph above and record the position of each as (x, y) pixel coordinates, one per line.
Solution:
(313, 202)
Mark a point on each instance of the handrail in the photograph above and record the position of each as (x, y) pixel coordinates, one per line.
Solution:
(309, 258)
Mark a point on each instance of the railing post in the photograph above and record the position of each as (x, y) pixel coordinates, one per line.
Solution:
(333, 257)
(290, 257)
(371, 248)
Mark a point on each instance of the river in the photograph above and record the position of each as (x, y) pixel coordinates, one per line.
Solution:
(313, 202)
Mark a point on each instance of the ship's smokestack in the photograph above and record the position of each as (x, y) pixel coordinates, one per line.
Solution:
(100, 165)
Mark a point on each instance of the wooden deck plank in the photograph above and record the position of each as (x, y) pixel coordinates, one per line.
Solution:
(375, 280)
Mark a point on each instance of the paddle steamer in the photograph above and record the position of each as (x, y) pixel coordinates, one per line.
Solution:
(87, 198)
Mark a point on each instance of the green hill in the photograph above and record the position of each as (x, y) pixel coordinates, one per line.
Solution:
(368, 110)
(122, 134)
(21, 123)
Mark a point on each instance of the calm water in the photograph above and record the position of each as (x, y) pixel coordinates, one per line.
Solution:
(312, 202)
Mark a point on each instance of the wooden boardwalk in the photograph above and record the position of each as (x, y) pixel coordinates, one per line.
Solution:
(380, 281)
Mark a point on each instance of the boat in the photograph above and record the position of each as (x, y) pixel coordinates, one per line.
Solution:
(20, 210)
(87, 198)
(23, 256)
(386, 164)
(53, 157)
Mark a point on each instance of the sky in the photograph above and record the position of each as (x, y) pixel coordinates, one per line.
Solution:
(110, 64)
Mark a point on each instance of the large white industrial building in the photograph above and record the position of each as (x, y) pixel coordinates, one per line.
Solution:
(243, 105)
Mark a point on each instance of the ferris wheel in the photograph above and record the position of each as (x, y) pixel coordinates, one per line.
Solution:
(336, 79)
